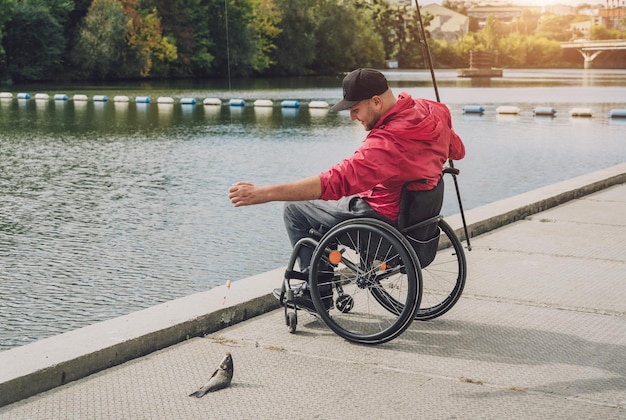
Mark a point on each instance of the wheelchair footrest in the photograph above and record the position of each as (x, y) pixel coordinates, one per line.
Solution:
(297, 275)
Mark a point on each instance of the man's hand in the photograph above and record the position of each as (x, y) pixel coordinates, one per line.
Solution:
(245, 194)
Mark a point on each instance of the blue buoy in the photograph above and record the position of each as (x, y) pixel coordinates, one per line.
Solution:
(617, 113)
(237, 102)
(290, 104)
(100, 98)
(60, 97)
(188, 101)
(23, 96)
(142, 99)
(544, 110)
(473, 109)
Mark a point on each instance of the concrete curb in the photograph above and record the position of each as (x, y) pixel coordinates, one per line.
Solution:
(48, 363)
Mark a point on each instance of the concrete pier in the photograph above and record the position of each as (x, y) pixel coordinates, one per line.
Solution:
(539, 332)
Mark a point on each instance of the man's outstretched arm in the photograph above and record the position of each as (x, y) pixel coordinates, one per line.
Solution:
(246, 194)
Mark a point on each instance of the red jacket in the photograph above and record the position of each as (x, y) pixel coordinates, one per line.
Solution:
(411, 142)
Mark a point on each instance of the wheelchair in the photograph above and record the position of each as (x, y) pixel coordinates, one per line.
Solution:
(382, 276)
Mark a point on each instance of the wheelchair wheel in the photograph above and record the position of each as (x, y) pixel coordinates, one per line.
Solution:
(366, 261)
(444, 278)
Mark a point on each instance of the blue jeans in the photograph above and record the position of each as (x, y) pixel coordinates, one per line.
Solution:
(302, 216)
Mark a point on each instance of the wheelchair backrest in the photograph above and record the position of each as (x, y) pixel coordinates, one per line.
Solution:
(417, 207)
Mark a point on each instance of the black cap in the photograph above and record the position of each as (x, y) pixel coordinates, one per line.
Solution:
(359, 85)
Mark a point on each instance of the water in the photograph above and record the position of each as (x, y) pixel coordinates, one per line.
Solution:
(108, 208)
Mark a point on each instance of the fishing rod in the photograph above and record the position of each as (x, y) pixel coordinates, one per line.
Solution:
(454, 172)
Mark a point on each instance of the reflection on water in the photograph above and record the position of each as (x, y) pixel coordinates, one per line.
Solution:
(111, 207)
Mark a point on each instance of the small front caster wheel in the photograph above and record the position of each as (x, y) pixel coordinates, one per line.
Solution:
(292, 321)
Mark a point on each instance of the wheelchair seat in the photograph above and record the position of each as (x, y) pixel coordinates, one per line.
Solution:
(418, 219)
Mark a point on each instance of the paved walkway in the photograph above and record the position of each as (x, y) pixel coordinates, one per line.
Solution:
(540, 332)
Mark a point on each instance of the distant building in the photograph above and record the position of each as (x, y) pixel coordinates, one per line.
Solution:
(446, 25)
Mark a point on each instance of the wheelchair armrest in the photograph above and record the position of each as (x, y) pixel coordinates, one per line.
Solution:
(315, 234)
(453, 171)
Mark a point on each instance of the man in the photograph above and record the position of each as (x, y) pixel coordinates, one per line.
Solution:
(408, 140)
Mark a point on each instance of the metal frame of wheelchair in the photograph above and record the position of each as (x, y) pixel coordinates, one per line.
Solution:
(379, 286)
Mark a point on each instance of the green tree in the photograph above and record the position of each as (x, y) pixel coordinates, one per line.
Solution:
(234, 44)
(6, 12)
(337, 49)
(33, 43)
(554, 27)
(264, 26)
(295, 46)
(101, 42)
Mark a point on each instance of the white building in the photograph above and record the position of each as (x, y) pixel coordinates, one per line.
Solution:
(446, 25)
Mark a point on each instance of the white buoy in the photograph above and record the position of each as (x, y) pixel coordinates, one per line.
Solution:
(79, 97)
(165, 100)
(42, 96)
(263, 102)
(212, 101)
(237, 102)
(544, 110)
(581, 112)
(507, 109)
(318, 104)
(6, 95)
(121, 98)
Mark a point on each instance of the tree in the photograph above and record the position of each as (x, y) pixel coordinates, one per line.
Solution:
(265, 28)
(295, 45)
(146, 45)
(33, 43)
(101, 42)
(337, 49)
(6, 11)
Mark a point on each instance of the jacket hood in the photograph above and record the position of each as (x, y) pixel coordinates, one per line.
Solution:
(413, 120)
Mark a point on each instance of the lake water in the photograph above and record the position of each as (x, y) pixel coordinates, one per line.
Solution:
(108, 208)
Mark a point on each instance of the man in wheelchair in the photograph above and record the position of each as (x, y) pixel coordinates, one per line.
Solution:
(409, 141)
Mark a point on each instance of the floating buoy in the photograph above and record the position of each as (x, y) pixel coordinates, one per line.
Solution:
(60, 97)
(79, 97)
(6, 95)
(23, 96)
(544, 110)
(237, 102)
(100, 98)
(142, 99)
(290, 104)
(121, 98)
(188, 101)
(263, 102)
(581, 112)
(42, 96)
(165, 100)
(318, 104)
(212, 101)
(473, 109)
(507, 109)
(617, 113)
